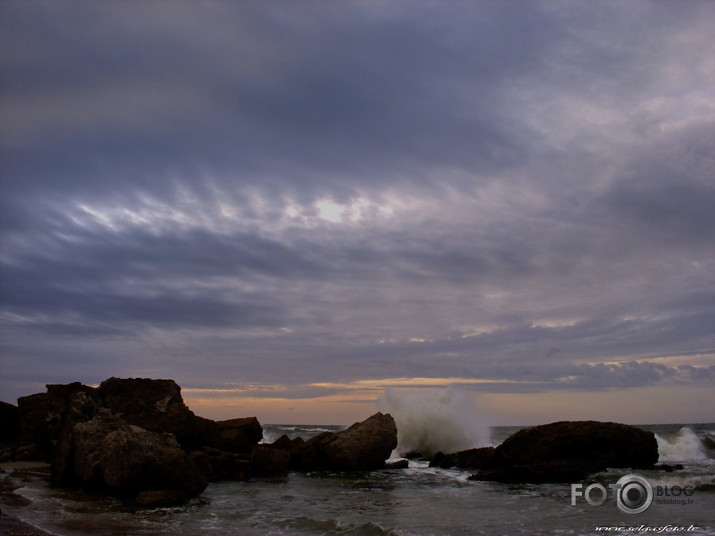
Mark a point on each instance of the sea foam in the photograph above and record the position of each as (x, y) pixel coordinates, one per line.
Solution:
(683, 446)
(446, 420)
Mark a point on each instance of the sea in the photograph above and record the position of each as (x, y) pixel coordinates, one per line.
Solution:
(415, 501)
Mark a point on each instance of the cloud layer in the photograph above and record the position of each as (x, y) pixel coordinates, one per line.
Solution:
(517, 195)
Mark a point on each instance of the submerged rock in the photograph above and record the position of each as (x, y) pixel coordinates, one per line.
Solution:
(364, 446)
(465, 459)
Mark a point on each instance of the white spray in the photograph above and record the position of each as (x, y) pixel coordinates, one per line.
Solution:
(683, 446)
(428, 422)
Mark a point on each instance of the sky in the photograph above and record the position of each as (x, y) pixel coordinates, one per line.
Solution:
(289, 207)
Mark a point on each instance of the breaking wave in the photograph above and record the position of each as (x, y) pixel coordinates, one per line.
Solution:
(428, 422)
(682, 446)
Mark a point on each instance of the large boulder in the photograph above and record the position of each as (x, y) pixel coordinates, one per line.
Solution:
(364, 446)
(127, 460)
(570, 450)
(157, 405)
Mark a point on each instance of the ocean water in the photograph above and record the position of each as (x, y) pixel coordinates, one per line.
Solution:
(418, 501)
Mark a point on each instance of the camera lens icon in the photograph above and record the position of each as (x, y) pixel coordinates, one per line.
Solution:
(634, 495)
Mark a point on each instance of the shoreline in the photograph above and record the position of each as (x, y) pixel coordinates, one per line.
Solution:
(11, 474)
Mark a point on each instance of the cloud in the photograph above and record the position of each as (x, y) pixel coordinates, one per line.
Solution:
(518, 196)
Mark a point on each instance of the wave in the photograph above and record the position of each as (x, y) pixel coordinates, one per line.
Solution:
(446, 420)
(682, 446)
(335, 526)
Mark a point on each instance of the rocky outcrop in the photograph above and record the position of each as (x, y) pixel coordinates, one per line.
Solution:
(157, 405)
(126, 460)
(130, 437)
(9, 423)
(569, 451)
(465, 459)
(34, 412)
(364, 446)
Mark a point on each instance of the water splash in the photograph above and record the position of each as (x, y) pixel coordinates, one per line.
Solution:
(682, 446)
(447, 420)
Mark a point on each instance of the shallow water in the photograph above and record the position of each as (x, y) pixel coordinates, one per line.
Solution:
(415, 501)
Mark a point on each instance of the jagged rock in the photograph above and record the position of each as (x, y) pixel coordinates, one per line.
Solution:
(398, 464)
(570, 450)
(465, 459)
(268, 460)
(125, 460)
(285, 442)
(157, 405)
(240, 435)
(9, 423)
(364, 446)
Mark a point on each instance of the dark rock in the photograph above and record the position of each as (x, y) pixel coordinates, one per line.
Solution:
(364, 446)
(465, 459)
(285, 442)
(125, 460)
(610, 444)
(157, 405)
(539, 473)
(398, 464)
(570, 450)
(72, 407)
(217, 465)
(34, 410)
(240, 435)
(413, 455)
(9, 423)
(668, 468)
(268, 460)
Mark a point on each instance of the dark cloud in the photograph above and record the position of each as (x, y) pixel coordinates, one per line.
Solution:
(315, 192)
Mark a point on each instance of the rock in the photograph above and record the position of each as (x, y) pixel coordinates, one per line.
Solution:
(567, 451)
(285, 442)
(668, 468)
(33, 411)
(268, 460)
(77, 406)
(217, 465)
(398, 464)
(364, 446)
(413, 455)
(9, 423)
(240, 435)
(465, 459)
(125, 460)
(157, 405)
(539, 473)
